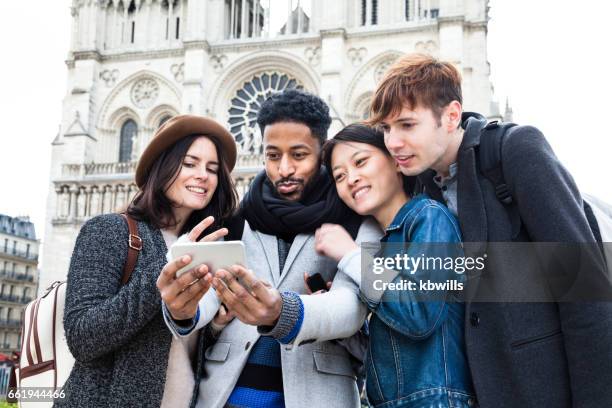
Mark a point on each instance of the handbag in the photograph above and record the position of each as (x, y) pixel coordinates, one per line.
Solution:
(45, 359)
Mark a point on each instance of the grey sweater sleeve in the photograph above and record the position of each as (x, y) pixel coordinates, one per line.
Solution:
(101, 315)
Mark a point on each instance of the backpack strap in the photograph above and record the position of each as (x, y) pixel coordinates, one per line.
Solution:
(134, 247)
(490, 154)
(490, 157)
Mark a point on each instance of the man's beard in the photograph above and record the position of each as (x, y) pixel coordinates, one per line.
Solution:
(306, 186)
(290, 181)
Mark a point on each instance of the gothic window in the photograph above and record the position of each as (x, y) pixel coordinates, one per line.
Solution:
(178, 25)
(369, 12)
(246, 103)
(407, 9)
(363, 12)
(374, 12)
(246, 18)
(128, 132)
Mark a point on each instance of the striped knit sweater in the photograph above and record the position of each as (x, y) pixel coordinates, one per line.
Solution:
(260, 384)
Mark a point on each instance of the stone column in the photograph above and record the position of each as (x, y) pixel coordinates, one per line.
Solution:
(256, 28)
(101, 37)
(267, 20)
(171, 23)
(232, 19)
(333, 56)
(244, 19)
(149, 26)
(72, 207)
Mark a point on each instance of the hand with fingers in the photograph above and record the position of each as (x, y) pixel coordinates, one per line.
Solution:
(202, 225)
(181, 295)
(252, 300)
(333, 241)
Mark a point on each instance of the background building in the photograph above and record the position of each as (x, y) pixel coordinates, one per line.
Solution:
(18, 277)
(135, 63)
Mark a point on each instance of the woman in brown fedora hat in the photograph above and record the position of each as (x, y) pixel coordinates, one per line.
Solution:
(125, 355)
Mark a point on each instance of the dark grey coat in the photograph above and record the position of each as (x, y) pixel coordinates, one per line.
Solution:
(117, 334)
(530, 354)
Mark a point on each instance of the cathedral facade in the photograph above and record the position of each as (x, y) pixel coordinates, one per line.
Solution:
(135, 63)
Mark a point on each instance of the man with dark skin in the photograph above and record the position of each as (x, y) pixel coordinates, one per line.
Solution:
(254, 358)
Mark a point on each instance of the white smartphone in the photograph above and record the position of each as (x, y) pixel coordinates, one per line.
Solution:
(218, 254)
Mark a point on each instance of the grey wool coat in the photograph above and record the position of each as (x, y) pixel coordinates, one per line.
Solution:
(116, 333)
(316, 369)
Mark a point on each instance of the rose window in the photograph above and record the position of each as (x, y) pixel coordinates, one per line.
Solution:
(144, 92)
(246, 103)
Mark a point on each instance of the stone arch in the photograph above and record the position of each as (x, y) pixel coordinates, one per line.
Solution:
(359, 106)
(362, 83)
(121, 115)
(113, 101)
(253, 64)
(120, 106)
(156, 115)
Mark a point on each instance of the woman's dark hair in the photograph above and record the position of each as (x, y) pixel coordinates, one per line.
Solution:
(360, 133)
(151, 204)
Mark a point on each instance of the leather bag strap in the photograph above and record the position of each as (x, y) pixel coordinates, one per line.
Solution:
(134, 247)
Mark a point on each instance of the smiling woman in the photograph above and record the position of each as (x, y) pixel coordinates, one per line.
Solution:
(112, 329)
(405, 331)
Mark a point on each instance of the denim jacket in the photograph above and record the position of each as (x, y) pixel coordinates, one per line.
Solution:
(416, 355)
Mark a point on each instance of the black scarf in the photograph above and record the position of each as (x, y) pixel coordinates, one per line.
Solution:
(271, 214)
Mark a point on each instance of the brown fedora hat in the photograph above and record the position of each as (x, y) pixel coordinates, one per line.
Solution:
(177, 128)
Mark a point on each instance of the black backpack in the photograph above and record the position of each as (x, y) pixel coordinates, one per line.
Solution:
(490, 155)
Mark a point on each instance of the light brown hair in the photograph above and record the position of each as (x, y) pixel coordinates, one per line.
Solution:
(415, 80)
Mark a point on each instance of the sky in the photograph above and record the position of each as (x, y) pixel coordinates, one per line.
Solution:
(551, 58)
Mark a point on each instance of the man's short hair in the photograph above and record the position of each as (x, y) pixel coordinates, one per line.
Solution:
(416, 80)
(293, 105)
